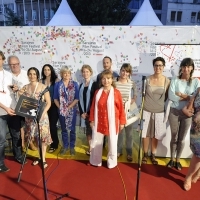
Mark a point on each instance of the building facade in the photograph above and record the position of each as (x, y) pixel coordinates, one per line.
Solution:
(34, 12)
(40, 12)
(183, 12)
(172, 12)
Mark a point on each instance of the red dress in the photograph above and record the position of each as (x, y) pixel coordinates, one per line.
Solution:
(103, 123)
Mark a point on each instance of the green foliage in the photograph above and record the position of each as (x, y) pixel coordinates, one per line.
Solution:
(101, 12)
(12, 19)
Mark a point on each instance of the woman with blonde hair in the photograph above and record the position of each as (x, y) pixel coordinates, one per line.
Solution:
(107, 117)
(86, 93)
(66, 99)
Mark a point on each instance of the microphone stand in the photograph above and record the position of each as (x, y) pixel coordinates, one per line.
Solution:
(140, 131)
(36, 123)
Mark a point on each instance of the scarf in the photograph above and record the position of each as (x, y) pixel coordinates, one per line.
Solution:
(87, 100)
(66, 97)
(111, 115)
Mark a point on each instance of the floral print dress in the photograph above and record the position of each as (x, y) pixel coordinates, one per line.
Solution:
(32, 128)
(195, 127)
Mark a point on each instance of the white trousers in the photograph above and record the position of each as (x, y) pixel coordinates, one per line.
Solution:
(96, 151)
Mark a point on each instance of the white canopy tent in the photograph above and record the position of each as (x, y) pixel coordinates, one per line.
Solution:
(64, 16)
(146, 16)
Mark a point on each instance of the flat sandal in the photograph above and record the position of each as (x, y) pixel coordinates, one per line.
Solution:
(36, 161)
(153, 159)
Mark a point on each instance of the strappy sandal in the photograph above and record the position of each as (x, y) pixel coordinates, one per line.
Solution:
(145, 158)
(88, 152)
(153, 159)
(178, 166)
(129, 158)
(170, 164)
(36, 161)
(45, 164)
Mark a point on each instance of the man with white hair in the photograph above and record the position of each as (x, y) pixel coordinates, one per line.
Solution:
(19, 79)
(6, 110)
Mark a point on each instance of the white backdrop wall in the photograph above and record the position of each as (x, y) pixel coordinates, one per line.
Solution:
(75, 46)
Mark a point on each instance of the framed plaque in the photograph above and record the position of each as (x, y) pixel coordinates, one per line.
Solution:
(28, 107)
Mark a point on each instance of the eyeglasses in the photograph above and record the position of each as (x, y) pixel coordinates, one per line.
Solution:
(13, 65)
(158, 65)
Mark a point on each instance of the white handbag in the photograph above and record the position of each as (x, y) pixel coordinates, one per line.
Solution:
(132, 112)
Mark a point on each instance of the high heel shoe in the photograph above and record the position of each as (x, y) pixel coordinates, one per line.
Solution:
(187, 185)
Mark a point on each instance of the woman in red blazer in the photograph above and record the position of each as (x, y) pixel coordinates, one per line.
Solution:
(107, 117)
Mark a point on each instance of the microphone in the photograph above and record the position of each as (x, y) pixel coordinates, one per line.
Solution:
(44, 91)
(144, 82)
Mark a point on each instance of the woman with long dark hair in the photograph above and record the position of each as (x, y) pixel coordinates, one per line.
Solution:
(49, 78)
(180, 90)
(34, 90)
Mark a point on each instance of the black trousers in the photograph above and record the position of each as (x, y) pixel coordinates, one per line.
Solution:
(53, 119)
(15, 123)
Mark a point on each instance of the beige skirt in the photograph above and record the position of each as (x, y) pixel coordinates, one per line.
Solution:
(153, 125)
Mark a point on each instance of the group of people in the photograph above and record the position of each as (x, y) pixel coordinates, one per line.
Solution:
(101, 107)
(19, 82)
(182, 112)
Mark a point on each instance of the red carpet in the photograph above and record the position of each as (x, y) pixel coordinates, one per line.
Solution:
(84, 182)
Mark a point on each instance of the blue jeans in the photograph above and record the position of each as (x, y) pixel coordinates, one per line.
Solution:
(128, 131)
(64, 132)
(14, 124)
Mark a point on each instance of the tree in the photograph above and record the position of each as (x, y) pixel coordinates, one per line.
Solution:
(101, 12)
(12, 19)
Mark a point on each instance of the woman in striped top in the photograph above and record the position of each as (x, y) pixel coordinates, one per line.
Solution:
(126, 87)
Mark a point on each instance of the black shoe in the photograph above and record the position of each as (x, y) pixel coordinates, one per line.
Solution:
(178, 166)
(170, 164)
(20, 160)
(3, 168)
